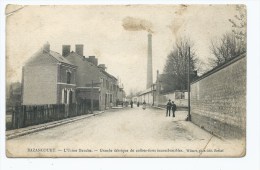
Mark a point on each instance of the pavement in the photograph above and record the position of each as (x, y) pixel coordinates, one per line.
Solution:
(10, 134)
(130, 132)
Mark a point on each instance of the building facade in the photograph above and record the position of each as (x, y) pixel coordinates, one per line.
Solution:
(93, 82)
(51, 78)
(48, 78)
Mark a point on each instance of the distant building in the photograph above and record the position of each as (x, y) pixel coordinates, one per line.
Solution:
(48, 78)
(93, 81)
(14, 94)
(121, 95)
(161, 91)
(148, 95)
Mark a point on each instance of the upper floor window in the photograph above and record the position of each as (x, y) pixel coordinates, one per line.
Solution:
(68, 77)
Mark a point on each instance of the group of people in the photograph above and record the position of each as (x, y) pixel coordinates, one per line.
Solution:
(171, 106)
(144, 104)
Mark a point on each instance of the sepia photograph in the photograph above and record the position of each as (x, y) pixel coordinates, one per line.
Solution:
(126, 81)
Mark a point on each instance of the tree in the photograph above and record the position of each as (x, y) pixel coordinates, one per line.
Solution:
(176, 67)
(225, 48)
(239, 24)
(231, 44)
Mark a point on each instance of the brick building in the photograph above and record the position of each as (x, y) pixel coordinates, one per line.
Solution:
(52, 78)
(92, 80)
(48, 78)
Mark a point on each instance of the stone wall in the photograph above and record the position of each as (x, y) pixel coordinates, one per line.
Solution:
(218, 100)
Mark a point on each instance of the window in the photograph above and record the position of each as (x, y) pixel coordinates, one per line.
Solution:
(107, 84)
(65, 96)
(68, 77)
(70, 97)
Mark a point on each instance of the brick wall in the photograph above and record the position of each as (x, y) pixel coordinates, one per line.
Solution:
(63, 74)
(40, 85)
(218, 100)
(86, 72)
(62, 82)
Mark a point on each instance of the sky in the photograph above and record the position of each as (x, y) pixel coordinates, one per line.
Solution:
(116, 35)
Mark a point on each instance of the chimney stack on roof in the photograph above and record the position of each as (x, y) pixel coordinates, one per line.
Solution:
(102, 66)
(79, 49)
(65, 50)
(46, 47)
(93, 60)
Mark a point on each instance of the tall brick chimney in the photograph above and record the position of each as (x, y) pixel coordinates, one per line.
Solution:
(65, 50)
(79, 49)
(149, 63)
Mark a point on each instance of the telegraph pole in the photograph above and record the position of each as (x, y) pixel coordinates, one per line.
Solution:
(91, 94)
(189, 116)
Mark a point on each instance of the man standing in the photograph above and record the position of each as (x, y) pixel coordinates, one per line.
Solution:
(173, 109)
(131, 103)
(168, 108)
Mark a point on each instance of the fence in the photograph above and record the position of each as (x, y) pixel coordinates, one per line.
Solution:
(25, 115)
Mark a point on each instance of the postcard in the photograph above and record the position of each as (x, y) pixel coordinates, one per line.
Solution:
(95, 81)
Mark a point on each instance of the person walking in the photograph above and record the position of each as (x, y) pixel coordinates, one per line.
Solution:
(168, 108)
(131, 103)
(144, 105)
(174, 108)
(138, 104)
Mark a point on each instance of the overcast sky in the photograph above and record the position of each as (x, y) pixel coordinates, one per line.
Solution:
(117, 35)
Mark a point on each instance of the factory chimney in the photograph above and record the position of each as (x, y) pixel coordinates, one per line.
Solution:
(149, 63)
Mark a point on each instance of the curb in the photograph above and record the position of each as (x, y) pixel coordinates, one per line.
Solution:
(52, 125)
(158, 107)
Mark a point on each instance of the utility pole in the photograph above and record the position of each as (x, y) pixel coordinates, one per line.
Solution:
(153, 93)
(189, 116)
(91, 94)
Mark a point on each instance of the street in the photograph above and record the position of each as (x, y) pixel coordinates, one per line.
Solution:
(149, 133)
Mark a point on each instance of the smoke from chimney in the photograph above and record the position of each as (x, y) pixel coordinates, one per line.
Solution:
(137, 24)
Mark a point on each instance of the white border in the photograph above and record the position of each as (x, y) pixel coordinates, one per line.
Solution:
(250, 161)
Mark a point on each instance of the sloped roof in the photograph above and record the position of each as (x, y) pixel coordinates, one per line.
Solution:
(107, 74)
(59, 57)
(41, 58)
(72, 56)
(145, 91)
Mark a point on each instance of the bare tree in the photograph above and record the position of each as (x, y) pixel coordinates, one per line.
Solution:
(231, 44)
(225, 48)
(176, 67)
(239, 24)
